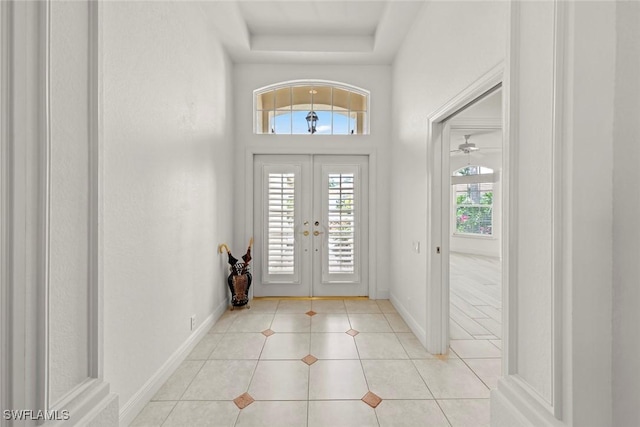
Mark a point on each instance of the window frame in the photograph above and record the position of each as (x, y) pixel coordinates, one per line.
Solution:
(477, 178)
(366, 125)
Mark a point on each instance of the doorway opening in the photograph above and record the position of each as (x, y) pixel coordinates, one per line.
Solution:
(311, 225)
(462, 133)
(474, 179)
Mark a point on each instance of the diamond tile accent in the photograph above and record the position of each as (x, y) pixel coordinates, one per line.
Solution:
(267, 332)
(352, 332)
(311, 313)
(309, 359)
(243, 400)
(371, 399)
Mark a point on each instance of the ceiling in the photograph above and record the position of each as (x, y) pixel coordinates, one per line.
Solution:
(482, 121)
(312, 31)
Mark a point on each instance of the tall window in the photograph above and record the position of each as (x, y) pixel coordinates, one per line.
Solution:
(473, 200)
(311, 107)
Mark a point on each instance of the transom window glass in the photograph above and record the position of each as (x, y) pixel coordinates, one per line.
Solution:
(473, 200)
(309, 108)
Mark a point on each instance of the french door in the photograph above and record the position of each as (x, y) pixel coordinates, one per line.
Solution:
(310, 225)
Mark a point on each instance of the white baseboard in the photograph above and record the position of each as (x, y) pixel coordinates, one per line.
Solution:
(86, 404)
(104, 415)
(132, 408)
(417, 329)
(513, 406)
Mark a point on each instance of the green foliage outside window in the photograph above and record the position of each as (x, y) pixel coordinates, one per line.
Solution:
(474, 218)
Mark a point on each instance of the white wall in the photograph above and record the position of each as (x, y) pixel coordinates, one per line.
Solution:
(376, 79)
(626, 205)
(450, 46)
(167, 194)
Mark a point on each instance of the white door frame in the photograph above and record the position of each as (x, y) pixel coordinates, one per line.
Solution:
(250, 152)
(4, 208)
(437, 303)
(25, 196)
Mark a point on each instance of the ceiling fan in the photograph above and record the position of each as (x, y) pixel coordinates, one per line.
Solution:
(469, 147)
(466, 147)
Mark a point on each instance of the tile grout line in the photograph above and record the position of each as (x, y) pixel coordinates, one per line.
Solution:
(474, 372)
(309, 334)
(170, 412)
(430, 392)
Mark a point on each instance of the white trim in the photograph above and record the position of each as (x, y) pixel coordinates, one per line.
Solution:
(312, 82)
(26, 141)
(437, 225)
(510, 96)
(514, 391)
(249, 154)
(5, 218)
(96, 411)
(472, 124)
(474, 179)
(91, 397)
(28, 159)
(132, 408)
(522, 404)
(44, 196)
(96, 293)
(557, 210)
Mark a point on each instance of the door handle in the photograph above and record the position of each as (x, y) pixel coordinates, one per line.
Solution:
(317, 233)
(305, 232)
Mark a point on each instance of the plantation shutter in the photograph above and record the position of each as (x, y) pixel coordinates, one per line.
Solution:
(341, 209)
(281, 223)
(341, 223)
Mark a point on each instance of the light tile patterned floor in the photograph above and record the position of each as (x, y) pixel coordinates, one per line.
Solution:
(384, 359)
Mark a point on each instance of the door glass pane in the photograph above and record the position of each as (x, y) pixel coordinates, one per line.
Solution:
(281, 233)
(341, 224)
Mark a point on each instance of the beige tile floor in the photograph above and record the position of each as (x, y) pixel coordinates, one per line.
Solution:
(384, 357)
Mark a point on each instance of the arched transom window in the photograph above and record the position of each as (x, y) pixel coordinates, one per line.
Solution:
(311, 107)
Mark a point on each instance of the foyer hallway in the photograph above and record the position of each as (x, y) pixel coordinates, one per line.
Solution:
(358, 346)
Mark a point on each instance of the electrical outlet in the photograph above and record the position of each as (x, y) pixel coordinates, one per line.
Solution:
(193, 322)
